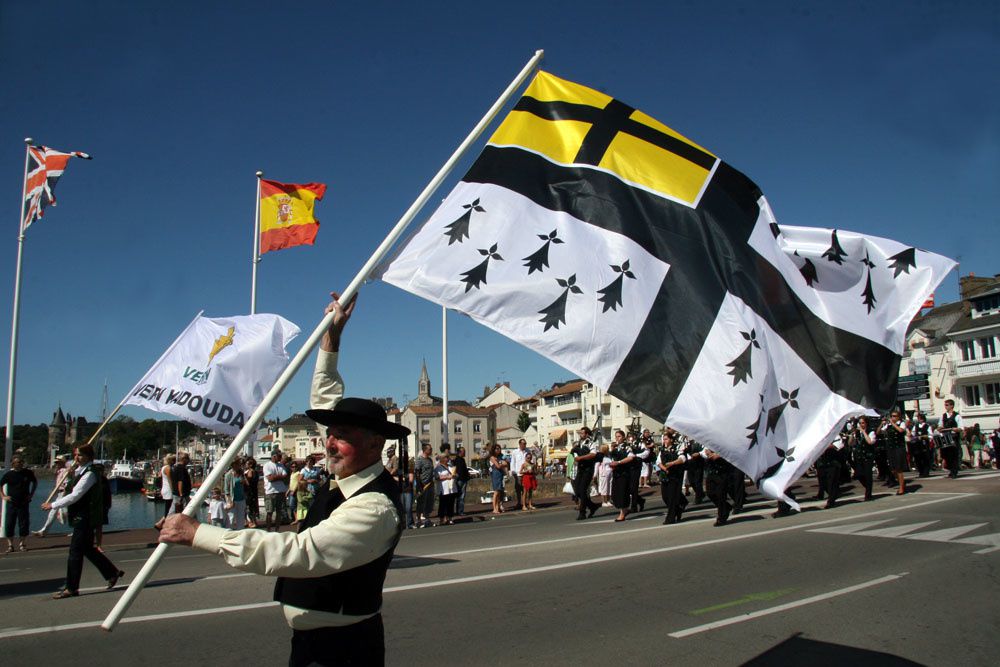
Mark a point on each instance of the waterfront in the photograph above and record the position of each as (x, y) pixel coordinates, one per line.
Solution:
(128, 510)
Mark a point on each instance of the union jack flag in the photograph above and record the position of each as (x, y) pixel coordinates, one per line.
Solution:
(45, 166)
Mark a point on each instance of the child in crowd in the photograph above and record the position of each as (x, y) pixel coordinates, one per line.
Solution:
(217, 509)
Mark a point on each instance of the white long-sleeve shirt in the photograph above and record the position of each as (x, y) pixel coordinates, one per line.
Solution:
(83, 485)
(360, 530)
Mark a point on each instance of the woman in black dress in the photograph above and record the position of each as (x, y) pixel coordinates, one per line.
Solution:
(861, 443)
(621, 468)
(895, 450)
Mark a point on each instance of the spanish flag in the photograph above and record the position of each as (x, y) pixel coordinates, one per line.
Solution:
(286, 214)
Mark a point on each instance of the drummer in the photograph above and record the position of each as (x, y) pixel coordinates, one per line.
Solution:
(951, 431)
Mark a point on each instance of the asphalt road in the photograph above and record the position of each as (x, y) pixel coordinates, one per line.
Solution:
(900, 580)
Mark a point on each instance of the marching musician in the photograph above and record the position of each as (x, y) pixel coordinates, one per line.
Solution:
(922, 439)
(861, 444)
(951, 432)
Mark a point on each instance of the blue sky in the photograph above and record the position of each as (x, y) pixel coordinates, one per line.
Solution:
(876, 117)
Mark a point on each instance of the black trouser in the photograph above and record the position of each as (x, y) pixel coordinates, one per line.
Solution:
(446, 506)
(821, 475)
(672, 492)
(831, 481)
(863, 473)
(634, 473)
(81, 545)
(581, 485)
(696, 475)
(519, 490)
(17, 514)
(920, 454)
(716, 485)
(356, 644)
(882, 466)
(425, 500)
(952, 459)
(737, 488)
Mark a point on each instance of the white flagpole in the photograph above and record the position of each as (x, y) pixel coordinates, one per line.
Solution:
(255, 260)
(444, 375)
(8, 451)
(309, 345)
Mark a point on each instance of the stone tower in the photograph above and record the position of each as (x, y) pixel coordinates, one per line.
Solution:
(424, 396)
(57, 430)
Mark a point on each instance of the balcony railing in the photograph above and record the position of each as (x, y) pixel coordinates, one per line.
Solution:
(978, 368)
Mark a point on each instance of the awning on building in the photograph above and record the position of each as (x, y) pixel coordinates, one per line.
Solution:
(557, 434)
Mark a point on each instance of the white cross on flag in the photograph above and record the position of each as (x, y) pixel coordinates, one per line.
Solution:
(607, 242)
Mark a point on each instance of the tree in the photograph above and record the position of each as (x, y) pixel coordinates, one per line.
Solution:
(523, 421)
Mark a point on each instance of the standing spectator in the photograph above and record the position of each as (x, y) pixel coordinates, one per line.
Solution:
(516, 461)
(85, 508)
(974, 436)
(392, 461)
(291, 496)
(20, 484)
(424, 480)
(308, 487)
(445, 488)
(63, 472)
(251, 484)
(275, 487)
(497, 468)
(217, 509)
(181, 477)
(406, 494)
(462, 477)
(166, 488)
(528, 480)
(234, 496)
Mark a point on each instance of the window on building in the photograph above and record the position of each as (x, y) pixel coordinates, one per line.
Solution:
(458, 427)
(477, 426)
(987, 347)
(425, 426)
(992, 393)
(968, 350)
(972, 394)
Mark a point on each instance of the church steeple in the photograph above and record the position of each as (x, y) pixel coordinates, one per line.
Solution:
(424, 385)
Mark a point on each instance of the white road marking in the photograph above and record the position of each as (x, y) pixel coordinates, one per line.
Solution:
(626, 531)
(945, 534)
(22, 632)
(680, 634)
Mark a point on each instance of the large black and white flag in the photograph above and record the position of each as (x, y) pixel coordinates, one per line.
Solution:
(631, 256)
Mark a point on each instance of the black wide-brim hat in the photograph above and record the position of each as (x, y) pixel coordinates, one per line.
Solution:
(362, 413)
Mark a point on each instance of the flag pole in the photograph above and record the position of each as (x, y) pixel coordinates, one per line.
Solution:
(255, 260)
(310, 344)
(444, 376)
(8, 450)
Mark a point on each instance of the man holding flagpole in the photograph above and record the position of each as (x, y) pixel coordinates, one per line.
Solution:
(330, 574)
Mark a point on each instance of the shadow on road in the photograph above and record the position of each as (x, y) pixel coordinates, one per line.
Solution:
(406, 562)
(797, 650)
(24, 588)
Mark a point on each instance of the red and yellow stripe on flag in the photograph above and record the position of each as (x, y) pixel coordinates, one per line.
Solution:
(286, 214)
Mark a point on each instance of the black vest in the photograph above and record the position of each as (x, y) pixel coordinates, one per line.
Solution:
(949, 422)
(357, 591)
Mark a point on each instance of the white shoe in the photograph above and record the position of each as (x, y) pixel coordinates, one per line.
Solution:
(38, 533)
